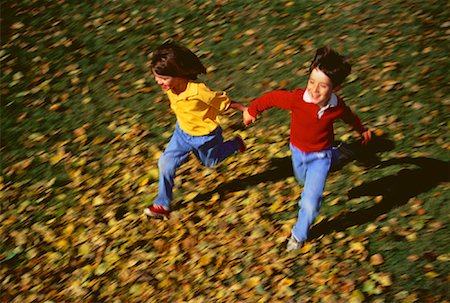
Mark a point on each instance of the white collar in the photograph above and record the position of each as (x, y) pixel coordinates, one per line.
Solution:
(331, 103)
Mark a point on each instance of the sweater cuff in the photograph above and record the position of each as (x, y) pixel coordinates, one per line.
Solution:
(252, 111)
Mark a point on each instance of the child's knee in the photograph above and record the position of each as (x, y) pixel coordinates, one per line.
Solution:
(311, 204)
(165, 163)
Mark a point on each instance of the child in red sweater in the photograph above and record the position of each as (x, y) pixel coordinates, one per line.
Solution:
(313, 112)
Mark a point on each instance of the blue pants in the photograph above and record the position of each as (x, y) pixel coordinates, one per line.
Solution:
(209, 149)
(310, 169)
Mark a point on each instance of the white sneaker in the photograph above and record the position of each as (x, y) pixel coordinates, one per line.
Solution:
(293, 244)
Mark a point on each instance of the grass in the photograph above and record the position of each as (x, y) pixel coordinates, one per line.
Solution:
(82, 118)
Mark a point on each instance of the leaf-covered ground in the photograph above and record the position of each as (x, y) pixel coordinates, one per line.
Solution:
(83, 124)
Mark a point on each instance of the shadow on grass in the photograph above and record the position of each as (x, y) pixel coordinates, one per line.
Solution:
(396, 191)
(7, 14)
(281, 168)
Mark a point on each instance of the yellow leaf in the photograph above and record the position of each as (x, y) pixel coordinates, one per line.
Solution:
(388, 85)
(98, 201)
(357, 247)
(55, 107)
(287, 281)
(378, 199)
(306, 247)
(112, 230)
(84, 249)
(253, 281)
(411, 237)
(376, 259)
(371, 228)
(101, 269)
(250, 32)
(444, 257)
(153, 174)
(275, 207)
(69, 229)
(356, 297)
(86, 100)
(205, 260)
(56, 158)
(98, 140)
(215, 197)
(53, 257)
(190, 196)
(62, 244)
(345, 137)
(111, 258)
(87, 269)
(432, 274)
(385, 280)
(334, 202)
(143, 182)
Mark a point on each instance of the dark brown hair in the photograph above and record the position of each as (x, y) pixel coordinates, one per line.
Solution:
(332, 64)
(175, 60)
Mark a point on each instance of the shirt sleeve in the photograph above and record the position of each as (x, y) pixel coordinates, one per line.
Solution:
(352, 119)
(218, 100)
(279, 98)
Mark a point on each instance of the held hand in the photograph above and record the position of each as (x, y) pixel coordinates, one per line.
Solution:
(238, 106)
(247, 118)
(366, 136)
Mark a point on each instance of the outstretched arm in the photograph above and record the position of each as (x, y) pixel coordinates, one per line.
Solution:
(278, 98)
(238, 106)
(353, 120)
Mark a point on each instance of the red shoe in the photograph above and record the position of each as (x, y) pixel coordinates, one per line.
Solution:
(242, 146)
(157, 211)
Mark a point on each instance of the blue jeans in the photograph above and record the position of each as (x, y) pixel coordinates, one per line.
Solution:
(310, 169)
(209, 149)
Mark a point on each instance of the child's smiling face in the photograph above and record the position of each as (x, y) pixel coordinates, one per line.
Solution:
(165, 82)
(319, 87)
(176, 84)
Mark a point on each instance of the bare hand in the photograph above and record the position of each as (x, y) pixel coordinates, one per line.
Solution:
(247, 118)
(366, 136)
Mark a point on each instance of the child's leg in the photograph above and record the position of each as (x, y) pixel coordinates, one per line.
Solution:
(175, 154)
(211, 149)
(313, 169)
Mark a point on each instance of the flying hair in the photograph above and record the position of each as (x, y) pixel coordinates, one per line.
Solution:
(175, 60)
(332, 64)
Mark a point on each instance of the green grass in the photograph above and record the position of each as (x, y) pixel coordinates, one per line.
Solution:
(82, 118)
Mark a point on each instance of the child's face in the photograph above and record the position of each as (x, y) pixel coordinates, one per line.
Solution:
(319, 87)
(166, 82)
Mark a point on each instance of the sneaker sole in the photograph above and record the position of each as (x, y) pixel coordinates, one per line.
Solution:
(151, 214)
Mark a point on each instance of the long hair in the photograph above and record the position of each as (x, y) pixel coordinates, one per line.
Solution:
(332, 64)
(175, 60)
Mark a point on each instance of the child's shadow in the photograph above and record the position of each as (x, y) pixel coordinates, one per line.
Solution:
(281, 168)
(396, 190)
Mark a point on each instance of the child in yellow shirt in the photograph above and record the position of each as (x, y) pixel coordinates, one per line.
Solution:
(196, 108)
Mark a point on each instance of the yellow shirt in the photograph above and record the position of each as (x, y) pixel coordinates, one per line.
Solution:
(198, 107)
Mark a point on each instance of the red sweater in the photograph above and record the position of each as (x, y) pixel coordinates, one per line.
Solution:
(308, 132)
